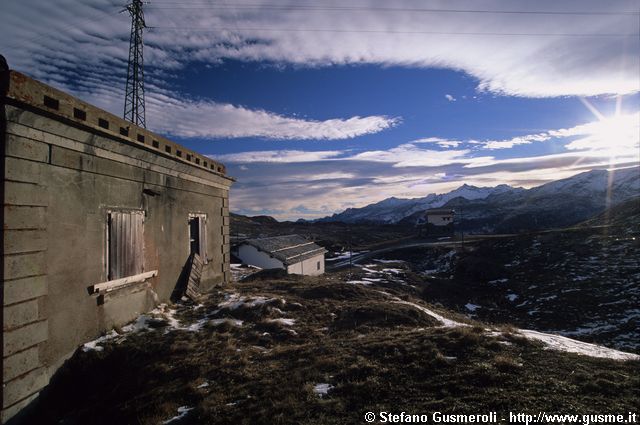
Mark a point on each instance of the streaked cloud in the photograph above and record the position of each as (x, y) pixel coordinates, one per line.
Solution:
(206, 119)
(278, 156)
(521, 54)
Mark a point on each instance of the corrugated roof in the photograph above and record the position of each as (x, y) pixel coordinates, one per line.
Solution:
(289, 249)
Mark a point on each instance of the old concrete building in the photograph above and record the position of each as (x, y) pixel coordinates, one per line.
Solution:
(100, 218)
(293, 253)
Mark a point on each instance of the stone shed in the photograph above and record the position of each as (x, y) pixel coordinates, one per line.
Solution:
(100, 219)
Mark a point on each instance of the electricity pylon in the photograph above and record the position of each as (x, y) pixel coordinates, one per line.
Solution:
(134, 92)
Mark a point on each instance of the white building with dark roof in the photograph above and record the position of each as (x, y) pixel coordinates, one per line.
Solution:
(293, 253)
(439, 216)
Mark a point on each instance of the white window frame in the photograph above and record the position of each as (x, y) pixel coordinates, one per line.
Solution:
(202, 227)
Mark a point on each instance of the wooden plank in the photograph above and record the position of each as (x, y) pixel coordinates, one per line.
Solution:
(115, 284)
(195, 274)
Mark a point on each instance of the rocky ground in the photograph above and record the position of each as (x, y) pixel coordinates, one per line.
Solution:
(583, 283)
(326, 350)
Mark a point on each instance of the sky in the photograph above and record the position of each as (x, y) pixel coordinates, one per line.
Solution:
(318, 106)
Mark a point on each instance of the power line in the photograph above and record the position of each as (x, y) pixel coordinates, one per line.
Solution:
(365, 31)
(196, 6)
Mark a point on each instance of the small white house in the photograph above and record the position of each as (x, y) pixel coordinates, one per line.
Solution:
(439, 216)
(436, 221)
(293, 253)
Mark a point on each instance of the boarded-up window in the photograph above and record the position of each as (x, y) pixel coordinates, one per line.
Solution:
(198, 235)
(125, 244)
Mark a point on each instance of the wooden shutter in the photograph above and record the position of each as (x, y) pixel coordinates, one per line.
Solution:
(203, 238)
(126, 244)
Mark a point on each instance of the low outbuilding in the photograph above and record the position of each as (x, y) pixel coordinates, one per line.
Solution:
(292, 253)
(437, 221)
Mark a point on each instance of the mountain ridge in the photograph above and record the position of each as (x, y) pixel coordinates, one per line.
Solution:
(505, 208)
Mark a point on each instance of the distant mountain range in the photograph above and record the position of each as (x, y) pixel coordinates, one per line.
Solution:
(507, 209)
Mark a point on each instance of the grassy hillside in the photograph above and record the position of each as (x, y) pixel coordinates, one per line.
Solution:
(583, 283)
(292, 350)
(333, 236)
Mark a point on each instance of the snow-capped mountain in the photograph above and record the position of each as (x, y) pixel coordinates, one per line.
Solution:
(507, 209)
(392, 210)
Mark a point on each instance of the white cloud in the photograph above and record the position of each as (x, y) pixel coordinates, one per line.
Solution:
(207, 119)
(450, 98)
(279, 156)
(444, 143)
(412, 155)
(516, 54)
(43, 39)
(520, 140)
(617, 132)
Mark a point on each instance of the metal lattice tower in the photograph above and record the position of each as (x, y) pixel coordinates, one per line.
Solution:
(134, 92)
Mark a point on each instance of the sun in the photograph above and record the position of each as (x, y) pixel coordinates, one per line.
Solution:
(614, 136)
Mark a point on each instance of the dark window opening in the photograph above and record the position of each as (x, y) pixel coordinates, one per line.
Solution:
(198, 161)
(125, 244)
(155, 144)
(179, 153)
(167, 149)
(103, 123)
(52, 103)
(318, 266)
(79, 114)
(141, 138)
(188, 157)
(197, 235)
(205, 163)
(124, 131)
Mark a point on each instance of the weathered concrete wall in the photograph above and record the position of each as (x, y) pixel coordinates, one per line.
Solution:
(62, 176)
(308, 267)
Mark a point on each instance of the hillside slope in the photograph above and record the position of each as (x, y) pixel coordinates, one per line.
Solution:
(293, 350)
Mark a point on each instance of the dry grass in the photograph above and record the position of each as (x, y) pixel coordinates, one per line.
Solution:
(377, 356)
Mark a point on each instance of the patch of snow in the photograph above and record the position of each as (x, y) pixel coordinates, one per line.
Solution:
(448, 323)
(232, 322)
(550, 297)
(283, 321)
(182, 412)
(358, 282)
(343, 256)
(394, 271)
(277, 310)
(231, 301)
(205, 384)
(512, 297)
(471, 307)
(493, 282)
(368, 270)
(93, 345)
(141, 323)
(388, 261)
(371, 279)
(322, 389)
(561, 343)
